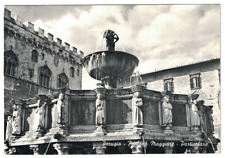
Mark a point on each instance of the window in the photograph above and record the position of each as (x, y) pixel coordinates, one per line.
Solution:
(195, 81)
(169, 85)
(44, 76)
(34, 56)
(10, 63)
(71, 71)
(63, 80)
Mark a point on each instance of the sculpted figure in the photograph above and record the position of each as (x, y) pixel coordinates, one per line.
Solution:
(16, 119)
(138, 116)
(111, 39)
(8, 128)
(195, 119)
(167, 111)
(201, 116)
(60, 105)
(41, 106)
(211, 128)
(100, 105)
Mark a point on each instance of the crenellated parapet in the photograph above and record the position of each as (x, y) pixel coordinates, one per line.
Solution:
(15, 28)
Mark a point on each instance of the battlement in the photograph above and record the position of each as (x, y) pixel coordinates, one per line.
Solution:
(41, 33)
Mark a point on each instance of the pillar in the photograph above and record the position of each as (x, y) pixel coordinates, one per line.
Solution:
(87, 150)
(168, 149)
(194, 150)
(123, 149)
(62, 148)
(11, 151)
(37, 149)
(99, 147)
(138, 147)
(203, 149)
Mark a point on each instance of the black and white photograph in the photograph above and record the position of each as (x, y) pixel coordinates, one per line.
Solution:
(111, 79)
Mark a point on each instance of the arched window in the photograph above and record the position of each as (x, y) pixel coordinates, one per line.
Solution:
(71, 71)
(63, 80)
(34, 56)
(10, 62)
(44, 76)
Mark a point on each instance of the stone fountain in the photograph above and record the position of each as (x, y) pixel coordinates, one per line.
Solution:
(110, 65)
(109, 119)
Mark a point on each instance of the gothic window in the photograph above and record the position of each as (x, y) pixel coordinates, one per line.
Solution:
(44, 76)
(34, 56)
(195, 81)
(63, 80)
(169, 85)
(10, 63)
(71, 71)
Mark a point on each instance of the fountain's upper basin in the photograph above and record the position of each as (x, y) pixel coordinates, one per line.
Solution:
(112, 64)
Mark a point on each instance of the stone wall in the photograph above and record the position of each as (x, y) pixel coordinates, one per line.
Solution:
(210, 84)
(22, 40)
(16, 88)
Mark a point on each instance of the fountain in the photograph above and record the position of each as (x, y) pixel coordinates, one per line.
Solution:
(110, 65)
(110, 119)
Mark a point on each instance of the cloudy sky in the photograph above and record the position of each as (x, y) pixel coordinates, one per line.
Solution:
(161, 36)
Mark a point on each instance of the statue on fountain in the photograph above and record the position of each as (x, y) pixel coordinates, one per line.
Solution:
(138, 115)
(60, 105)
(111, 39)
(16, 119)
(167, 111)
(100, 116)
(41, 110)
(195, 119)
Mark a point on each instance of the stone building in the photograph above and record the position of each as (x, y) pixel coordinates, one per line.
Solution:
(202, 78)
(34, 63)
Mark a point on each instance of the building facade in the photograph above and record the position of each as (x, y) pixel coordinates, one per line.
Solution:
(202, 78)
(34, 63)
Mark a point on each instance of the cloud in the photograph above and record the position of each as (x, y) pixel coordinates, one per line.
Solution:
(161, 36)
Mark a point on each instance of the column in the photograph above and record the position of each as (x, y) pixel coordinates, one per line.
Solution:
(87, 150)
(11, 151)
(203, 149)
(37, 149)
(194, 150)
(138, 147)
(99, 148)
(168, 149)
(62, 148)
(123, 149)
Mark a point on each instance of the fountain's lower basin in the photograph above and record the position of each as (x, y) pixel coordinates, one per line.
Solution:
(113, 65)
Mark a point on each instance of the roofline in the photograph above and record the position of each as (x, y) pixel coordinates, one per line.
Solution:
(182, 66)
